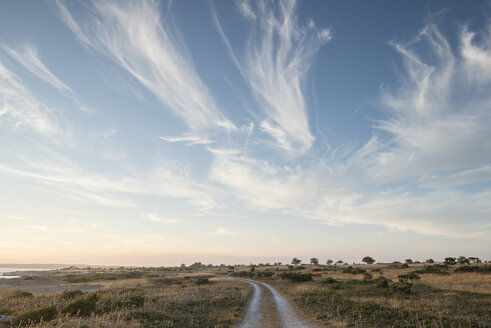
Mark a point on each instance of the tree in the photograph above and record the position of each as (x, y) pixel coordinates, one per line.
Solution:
(368, 260)
(450, 261)
(408, 261)
(296, 261)
(430, 261)
(463, 260)
(314, 261)
(339, 262)
(474, 260)
(329, 262)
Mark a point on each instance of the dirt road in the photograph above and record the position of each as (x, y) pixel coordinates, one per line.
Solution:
(270, 311)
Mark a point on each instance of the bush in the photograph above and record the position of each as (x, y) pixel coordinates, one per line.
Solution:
(265, 274)
(354, 271)
(35, 316)
(296, 277)
(411, 276)
(71, 294)
(22, 294)
(136, 301)
(202, 281)
(382, 282)
(434, 269)
(402, 287)
(82, 307)
(245, 274)
(329, 280)
(474, 268)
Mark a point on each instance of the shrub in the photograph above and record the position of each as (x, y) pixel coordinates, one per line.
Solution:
(136, 301)
(433, 269)
(329, 280)
(82, 307)
(265, 274)
(202, 281)
(382, 282)
(35, 316)
(296, 277)
(354, 271)
(411, 276)
(71, 294)
(245, 274)
(22, 294)
(474, 268)
(402, 287)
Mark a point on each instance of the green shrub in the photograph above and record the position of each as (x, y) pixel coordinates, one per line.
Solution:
(382, 282)
(296, 277)
(351, 270)
(202, 281)
(411, 276)
(82, 307)
(474, 268)
(22, 294)
(265, 274)
(71, 294)
(434, 269)
(245, 274)
(35, 316)
(402, 287)
(329, 280)
(136, 301)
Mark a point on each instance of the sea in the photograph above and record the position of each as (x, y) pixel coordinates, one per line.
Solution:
(4, 272)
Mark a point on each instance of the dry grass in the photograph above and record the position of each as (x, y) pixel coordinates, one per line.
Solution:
(170, 300)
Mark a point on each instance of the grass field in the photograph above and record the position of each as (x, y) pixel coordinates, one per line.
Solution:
(328, 296)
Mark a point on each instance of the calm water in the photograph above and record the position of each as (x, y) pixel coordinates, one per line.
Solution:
(4, 270)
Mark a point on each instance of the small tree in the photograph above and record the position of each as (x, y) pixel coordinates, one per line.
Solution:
(450, 261)
(474, 260)
(339, 262)
(368, 260)
(463, 260)
(314, 261)
(408, 261)
(430, 261)
(296, 261)
(329, 262)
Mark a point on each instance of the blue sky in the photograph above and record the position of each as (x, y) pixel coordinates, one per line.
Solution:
(160, 133)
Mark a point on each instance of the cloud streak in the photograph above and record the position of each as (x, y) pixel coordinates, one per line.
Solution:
(20, 110)
(29, 58)
(275, 63)
(134, 36)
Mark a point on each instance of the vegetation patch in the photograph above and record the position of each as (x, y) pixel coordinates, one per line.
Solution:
(82, 307)
(296, 276)
(35, 316)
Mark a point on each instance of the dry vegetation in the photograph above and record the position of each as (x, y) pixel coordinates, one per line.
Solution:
(331, 296)
(387, 295)
(128, 298)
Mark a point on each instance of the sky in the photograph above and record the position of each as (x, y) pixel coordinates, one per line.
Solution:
(167, 132)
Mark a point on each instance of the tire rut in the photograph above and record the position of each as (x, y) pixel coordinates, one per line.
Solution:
(270, 311)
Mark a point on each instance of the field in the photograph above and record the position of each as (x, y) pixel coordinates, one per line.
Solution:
(385, 295)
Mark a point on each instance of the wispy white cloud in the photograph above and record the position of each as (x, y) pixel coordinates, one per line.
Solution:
(157, 218)
(276, 60)
(73, 182)
(189, 139)
(135, 37)
(224, 232)
(438, 119)
(19, 109)
(29, 58)
(477, 57)
(479, 174)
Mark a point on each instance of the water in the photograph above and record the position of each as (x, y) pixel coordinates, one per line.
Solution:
(4, 272)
